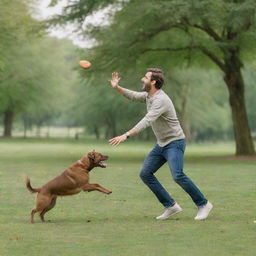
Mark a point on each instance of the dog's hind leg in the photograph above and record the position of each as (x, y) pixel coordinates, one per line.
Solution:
(43, 201)
(32, 215)
(42, 215)
(52, 204)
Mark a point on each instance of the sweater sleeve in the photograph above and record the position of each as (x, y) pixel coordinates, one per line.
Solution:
(135, 96)
(156, 110)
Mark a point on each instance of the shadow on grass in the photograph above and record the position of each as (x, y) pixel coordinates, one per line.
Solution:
(102, 219)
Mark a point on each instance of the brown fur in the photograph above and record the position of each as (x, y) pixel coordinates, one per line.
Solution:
(72, 181)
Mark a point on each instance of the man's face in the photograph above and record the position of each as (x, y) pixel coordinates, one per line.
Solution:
(146, 82)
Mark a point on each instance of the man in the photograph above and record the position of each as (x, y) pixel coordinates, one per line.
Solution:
(170, 146)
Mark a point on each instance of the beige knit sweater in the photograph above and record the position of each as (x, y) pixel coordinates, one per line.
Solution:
(161, 116)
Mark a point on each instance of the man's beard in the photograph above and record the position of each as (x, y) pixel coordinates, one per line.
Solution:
(146, 87)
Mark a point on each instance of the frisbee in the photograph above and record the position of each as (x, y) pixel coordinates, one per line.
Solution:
(85, 64)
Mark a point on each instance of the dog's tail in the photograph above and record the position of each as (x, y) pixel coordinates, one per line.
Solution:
(28, 185)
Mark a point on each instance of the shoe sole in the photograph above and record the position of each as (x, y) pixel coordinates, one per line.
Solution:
(170, 215)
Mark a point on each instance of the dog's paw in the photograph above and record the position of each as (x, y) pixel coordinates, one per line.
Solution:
(109, 192)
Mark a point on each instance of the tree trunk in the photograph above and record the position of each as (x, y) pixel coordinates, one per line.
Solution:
(68, 135)
(25, 125)
(48, 132)
(25, 132)
(107, 137)
(111, 123)
(96, 132)
(186, 128)
(183, 113)
(8, 121)
(113, 129)
(234, 81)
(77, 135)
(38, 131)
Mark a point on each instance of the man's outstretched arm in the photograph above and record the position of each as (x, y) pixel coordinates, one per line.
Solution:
(129, 94)
(156, 110)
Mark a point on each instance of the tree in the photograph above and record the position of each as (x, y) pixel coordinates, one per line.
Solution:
(36, 77)
(250, 78)
(16, 27)
(221, 31)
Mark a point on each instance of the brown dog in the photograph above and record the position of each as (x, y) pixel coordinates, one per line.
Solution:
(72, 181)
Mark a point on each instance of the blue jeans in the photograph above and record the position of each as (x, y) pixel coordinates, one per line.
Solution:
(173, 154)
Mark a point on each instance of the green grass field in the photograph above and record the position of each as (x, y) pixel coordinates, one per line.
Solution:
(123, 223)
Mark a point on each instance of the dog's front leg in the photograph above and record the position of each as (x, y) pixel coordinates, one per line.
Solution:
(93, 187)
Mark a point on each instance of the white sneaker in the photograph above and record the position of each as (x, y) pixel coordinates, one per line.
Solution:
(169, 211)
(204, 211)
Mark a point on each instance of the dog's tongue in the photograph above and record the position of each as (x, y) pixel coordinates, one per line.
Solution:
(102, 165)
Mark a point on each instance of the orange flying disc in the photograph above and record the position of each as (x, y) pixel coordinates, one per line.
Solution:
(85, 64)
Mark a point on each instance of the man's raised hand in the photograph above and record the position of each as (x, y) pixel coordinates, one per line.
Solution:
(115, 80)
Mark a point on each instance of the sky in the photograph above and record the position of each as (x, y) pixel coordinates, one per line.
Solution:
(44, 12)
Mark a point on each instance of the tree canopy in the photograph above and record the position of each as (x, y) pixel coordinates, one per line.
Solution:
(177, 32)
(33, 68)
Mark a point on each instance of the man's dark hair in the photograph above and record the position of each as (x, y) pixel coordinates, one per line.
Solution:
(158, 76)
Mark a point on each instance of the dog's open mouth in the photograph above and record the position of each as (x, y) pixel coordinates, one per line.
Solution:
(101, 164)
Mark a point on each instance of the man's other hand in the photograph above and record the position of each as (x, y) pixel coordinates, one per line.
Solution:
(117, 140)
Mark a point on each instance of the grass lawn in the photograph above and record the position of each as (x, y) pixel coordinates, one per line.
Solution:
(123, 223)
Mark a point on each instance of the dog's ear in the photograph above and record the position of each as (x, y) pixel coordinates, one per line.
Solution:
(91, 155)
